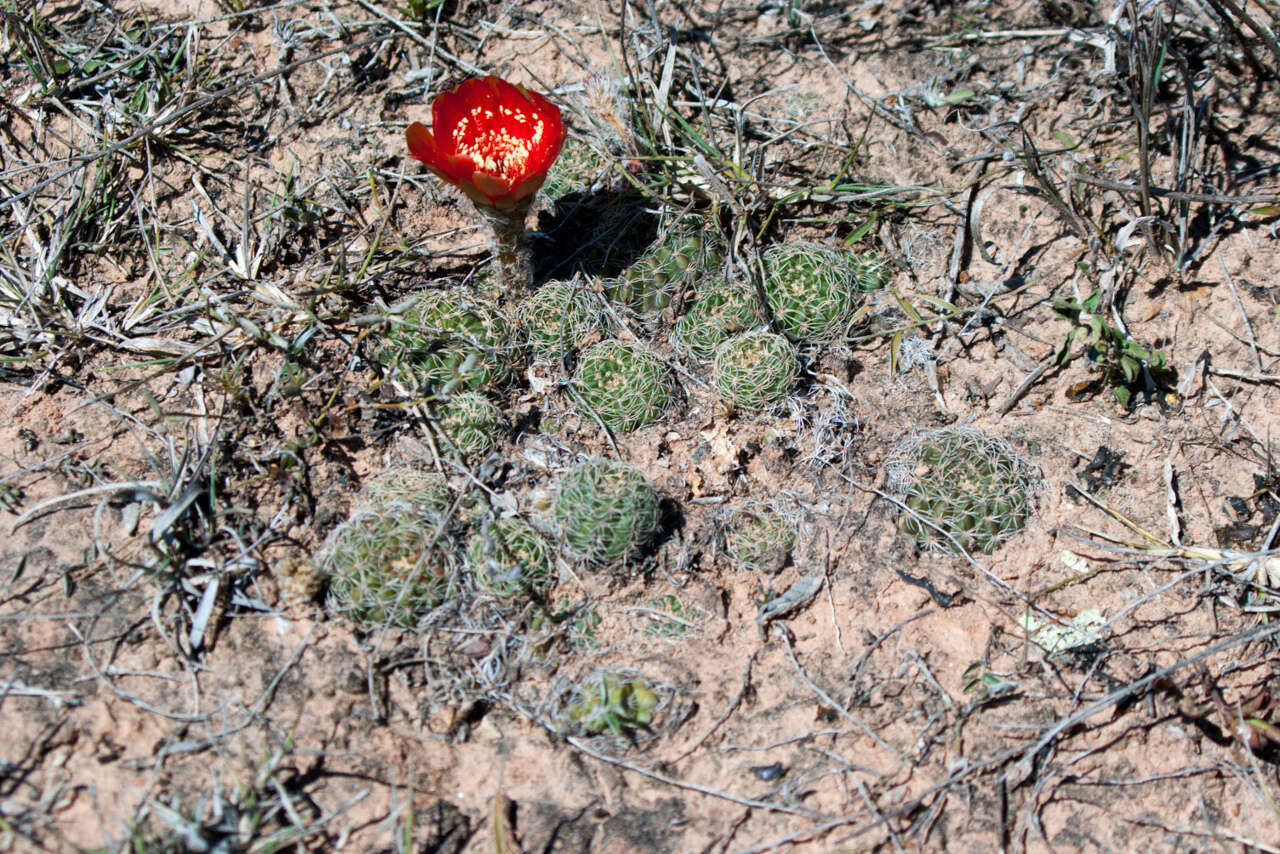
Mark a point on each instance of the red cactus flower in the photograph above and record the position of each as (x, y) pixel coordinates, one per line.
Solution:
(493, 139)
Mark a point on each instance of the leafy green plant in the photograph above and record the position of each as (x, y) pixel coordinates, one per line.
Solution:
(472, 423)
(759, 539)
(560, 316)
(721, 308)
(389, 565)
(616, 702)
(962, 489)
(811, 291)
(1123, 364)
(606, 510)
(755, 369)
(689, 250)
(448, 342)
(623, 383)
(508, 558)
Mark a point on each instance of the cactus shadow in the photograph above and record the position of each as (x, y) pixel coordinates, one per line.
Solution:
(597, 234)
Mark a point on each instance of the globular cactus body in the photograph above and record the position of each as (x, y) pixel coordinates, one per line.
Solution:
(810, 292)
(388, 565)
(509, 559)
(963, 489)
(650, 284)
(720, 309)
(560, 316)
(606, 510)
(472, 423)
(755, 369)
(625, 384)
(447, 343)
(616, 702)
(759, 539)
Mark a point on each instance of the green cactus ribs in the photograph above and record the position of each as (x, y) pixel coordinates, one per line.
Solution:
(560, 316)
(389, 565)
(447, 342)
(472, 424)
(625, 384)
(963, 490)
(606, 510)
(689, 250)
(811, 292)
(755, 369)
(721, 308)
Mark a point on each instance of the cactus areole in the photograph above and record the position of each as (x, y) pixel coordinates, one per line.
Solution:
(495, 141)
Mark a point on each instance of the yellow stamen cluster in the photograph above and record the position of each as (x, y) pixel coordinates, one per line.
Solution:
(492, 146)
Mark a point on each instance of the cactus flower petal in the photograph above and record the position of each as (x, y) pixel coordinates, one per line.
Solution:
(492, 139)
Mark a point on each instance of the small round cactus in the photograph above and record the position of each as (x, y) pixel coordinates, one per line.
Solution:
(688, 250)
(759, 539)
(625, 384)
(447, 343)
(508, 558)
(560, 316)
(721, 308)
(472, 423)
(963, 489)
(755, 369)
(606, 510)
(810, 291)
(613, 702)
(390, 565)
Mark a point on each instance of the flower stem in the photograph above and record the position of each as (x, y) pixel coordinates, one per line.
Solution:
(512, 264)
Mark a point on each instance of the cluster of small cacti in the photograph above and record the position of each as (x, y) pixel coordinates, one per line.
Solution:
(447, 343)
(963, 490)
(606, 510)
(560, 316)
(389, 564)
(508, 558)
(754, 369)
(624, 384)
(811, 291)
(759, 539)
(471, 423)
(612, 702)
(720, 308)
(687, 252)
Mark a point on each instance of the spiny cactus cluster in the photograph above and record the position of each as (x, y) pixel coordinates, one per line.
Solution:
(472, 423)
(606, 510)
(688, 251)
(759, 539)
(508, 558)
(963, 489)
(623, 383)
(389, 564)
(811, 291)
(560, 316)
(446, 343)
(720, 308)
(613, 702)
(755, 369)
